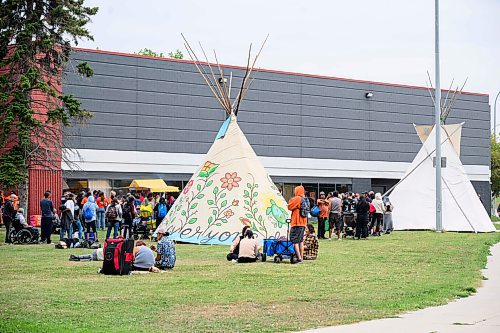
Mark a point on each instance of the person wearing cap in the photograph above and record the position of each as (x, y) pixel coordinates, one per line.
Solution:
(8, 215)
(165, 251)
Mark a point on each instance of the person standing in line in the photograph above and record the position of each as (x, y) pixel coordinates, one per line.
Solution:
(160, 211)
(128, 213)
(298, 222)
(388, 227)
(362, 208)
(378, 215)
(101, 209)
(324, 206)
(8, 216)
(48, 212)
(114, 217)
(335, 219)
(90, 217)
(1, 207)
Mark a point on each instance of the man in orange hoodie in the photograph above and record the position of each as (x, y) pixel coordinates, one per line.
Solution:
(298, 223)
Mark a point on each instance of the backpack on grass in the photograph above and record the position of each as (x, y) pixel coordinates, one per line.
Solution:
(118, 256)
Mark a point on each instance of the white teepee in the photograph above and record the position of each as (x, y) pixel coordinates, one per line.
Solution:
(414, 196)
(231, 189)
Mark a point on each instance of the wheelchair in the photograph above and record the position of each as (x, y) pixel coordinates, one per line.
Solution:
(20, 235)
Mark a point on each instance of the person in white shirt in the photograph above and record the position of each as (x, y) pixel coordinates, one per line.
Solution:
(379, 205)
(249, 248)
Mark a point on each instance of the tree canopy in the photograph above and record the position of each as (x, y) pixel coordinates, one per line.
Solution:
(495, 166)
(36, 37)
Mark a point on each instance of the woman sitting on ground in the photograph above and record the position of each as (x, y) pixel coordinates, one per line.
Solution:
(166, 256)
(235, 247)
(311, 244)
(249, 248)
(144, 258)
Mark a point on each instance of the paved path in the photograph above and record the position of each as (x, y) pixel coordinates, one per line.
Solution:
(477, 313)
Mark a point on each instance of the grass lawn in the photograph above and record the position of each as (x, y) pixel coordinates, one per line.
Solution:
(351, 281)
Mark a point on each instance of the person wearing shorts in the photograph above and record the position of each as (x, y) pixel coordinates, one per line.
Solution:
(298, 224)
(334, 218)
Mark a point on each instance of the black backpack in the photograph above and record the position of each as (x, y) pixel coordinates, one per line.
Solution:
(127, 210)
(305, 207)
(118, 256)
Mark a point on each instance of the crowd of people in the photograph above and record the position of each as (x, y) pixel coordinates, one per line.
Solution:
(81, 217)
(361, 215)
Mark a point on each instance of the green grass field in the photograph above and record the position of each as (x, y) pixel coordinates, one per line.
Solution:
(351, 281)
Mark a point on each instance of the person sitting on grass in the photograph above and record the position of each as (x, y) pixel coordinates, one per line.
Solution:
(249, 248)
(311, 244)
(144, 258)
(235, 247)
(165, 252)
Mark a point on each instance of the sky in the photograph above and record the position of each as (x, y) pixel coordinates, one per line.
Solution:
(385, 40)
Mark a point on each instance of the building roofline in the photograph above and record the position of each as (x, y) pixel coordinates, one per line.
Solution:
(269, 70)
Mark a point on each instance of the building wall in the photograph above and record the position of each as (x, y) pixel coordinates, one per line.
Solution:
(158, 117)
(152, 105)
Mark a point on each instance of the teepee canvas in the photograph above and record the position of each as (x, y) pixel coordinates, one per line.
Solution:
(414, 196)
(231, 189)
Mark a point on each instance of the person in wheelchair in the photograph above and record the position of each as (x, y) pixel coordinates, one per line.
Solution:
(22, 232)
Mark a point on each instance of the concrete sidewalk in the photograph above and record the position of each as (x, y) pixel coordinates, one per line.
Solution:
(477, 313)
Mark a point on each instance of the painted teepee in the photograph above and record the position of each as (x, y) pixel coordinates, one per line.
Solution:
(231, 189)
(414, 196)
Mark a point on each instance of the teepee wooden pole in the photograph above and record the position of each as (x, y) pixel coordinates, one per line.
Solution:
(196, 62)
(222, 92)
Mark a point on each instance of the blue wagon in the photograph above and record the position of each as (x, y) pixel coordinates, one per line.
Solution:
(280, 249)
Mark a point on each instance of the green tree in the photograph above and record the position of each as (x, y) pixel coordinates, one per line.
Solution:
(495, 166)
(150, 53)
(177, 55)
(36, 37)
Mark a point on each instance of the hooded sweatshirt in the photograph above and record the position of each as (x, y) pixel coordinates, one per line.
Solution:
(93, 207)
(294, 207)
(379, 204)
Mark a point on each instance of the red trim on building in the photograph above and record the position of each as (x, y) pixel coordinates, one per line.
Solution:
(269, 70)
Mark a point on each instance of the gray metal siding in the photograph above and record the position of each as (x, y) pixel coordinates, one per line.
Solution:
(156, 105)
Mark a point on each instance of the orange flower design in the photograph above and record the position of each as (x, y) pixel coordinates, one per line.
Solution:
(188, 186)
(207, 169)
(228, 213)
(230, 180)
(235, 202)
(245, 221)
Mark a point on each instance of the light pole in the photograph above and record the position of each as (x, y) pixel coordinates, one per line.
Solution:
(437, 121)
(495, 117)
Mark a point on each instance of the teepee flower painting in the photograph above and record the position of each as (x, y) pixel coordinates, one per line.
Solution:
(230, 180)
(207, 169)
(188, 186)
(246, 221)
(227, 187)
(228, 213)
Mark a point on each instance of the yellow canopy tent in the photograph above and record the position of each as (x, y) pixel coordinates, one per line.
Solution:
(154, 185)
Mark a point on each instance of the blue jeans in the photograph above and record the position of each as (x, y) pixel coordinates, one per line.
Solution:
(101, 222)
(79, 226)
(113, 225)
